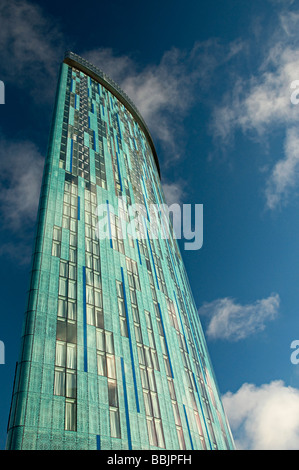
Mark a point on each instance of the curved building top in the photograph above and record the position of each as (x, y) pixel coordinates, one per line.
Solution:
(97, 74)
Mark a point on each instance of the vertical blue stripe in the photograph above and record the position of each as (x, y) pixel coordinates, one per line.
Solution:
(183, 330)
(156, 195)
(166, 344)
(89, 122)
(188, 428)
(144, 187)
(84, 320)
(170, 253)
(146, 169)
(199, 399)
(172, 262)
(130, 341)
(126, 403)
(98, 442)
(146, 207)
(75, 101)
(117, 143)
(119, 126)
(78, 215)
(109, 226)
(119, 175)
(160, 192)
(202, 412)
(194, 339)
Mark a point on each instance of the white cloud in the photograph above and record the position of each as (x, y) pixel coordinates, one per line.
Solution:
(165, 92)
(232, 321)
(21, 166)
(30, 45)
(156, 90)
(289, 22)
(264, 417)
(30, 54)
(284, 176)
(261, 101)
(174, 192)
(175, 196)
(260, 104)
(285, 3)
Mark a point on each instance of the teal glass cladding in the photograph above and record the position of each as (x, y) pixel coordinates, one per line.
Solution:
(112, 354)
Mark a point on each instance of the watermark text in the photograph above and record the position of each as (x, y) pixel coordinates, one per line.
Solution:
(295, 354)
(151, 221)
(2, 92)
(2, 353)
(295, 94)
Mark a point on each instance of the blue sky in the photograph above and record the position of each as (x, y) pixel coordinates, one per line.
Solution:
(212, 80)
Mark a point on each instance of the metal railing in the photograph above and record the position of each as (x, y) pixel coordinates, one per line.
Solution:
(95, 72)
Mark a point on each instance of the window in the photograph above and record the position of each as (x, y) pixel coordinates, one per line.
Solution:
(72, 310)
(121, 309)
(90, 319)
(101, 363)
(60, 353)
(159, 433)
(59, 382)
(155, 403)
(99, 318)
(109, 342)
(100, 337)
(181, 439)
(176, 413)
(112, 393)
(151, 432)
(147, 403)
(72, 289)
(62, 308)
(71, 356)
(62, 286)
(123, 327)
(63, 268)
(70, 415)
(71, 384)
(111, 373)
(114, 423)
(56, 249)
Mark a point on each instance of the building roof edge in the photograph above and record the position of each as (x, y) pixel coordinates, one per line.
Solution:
(97, 74)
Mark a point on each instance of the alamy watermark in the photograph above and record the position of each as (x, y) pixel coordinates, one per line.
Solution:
(2, 92)
(2, 353)
(295, 354)
(295, 94)
(151, 221)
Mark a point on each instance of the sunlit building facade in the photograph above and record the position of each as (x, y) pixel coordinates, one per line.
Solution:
(112, 353)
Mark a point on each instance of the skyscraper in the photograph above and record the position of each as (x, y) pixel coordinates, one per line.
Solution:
(112, 353)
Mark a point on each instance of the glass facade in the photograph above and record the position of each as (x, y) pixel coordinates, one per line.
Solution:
(112, 353)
